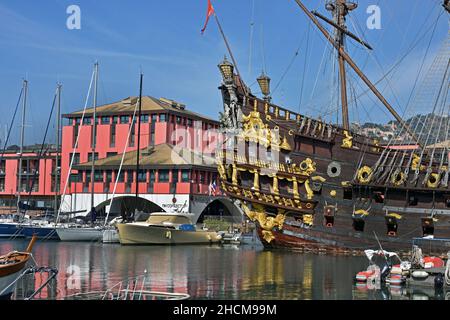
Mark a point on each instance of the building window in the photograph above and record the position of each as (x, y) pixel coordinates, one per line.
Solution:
(114, 119)
(2, 184)
(178, 120)
(184, 175)
(98, 176)
(189, 122)
(108, 176)
(90, 156)
(144, 118)
(76, 158)
(106, 120)
(175, 176)
(154, 118)
(121, 177)
(124, 119)
(142, 176)
(112, 136)
(77, 121)
(75, 135)
(132, 135)
(163, 175)
(87, 120)
(111, 154)
(130, 177)
(163, 117)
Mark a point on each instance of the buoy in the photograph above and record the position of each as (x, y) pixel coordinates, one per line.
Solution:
(395, 280)
(364, 275)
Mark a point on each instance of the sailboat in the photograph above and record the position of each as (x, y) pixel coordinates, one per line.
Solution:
(12, 228)
(45, 229)
(75, 232)
(294, 175)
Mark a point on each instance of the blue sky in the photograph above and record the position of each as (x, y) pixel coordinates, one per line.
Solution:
(163, 39)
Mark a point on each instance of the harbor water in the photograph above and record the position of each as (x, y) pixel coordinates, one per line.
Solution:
(204, 272)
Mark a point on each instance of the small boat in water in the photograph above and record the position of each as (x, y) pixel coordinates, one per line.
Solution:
(165, 228)
(80, 233)
(11, 265)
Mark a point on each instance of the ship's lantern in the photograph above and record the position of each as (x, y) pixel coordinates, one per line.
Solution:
(227, 70)
(264, 84)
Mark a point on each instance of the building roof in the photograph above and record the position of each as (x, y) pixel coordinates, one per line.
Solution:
(162, 155)
(149, 104)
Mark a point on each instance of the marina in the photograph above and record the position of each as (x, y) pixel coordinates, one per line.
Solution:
(323, 177)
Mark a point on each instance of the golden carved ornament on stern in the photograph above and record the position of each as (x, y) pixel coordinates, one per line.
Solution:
(268, 236)
(309, 190)
(347, 142)
(270, 223)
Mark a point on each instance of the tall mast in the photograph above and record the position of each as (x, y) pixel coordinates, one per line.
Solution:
(138, 139)
(340, 9)
(58, 124)
(94, 137)
(358, 71)
(22, 138)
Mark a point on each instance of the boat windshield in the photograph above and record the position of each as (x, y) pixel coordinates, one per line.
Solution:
(161, 218)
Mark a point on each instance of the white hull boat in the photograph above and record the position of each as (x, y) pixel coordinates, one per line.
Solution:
(111, 236)
(80, 233)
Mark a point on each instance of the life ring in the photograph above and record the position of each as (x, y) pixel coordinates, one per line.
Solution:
(398, 178)
(433, 180)
(365, 174)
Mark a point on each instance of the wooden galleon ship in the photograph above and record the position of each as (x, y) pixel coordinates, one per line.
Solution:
(312, 185)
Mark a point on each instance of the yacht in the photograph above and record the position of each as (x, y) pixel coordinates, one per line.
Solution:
(165, 229)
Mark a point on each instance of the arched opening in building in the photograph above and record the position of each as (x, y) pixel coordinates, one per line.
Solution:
(127, 205)
(223, 209)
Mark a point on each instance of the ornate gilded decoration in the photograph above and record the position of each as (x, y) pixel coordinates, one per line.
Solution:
(415, 163)
(255, 130)
(398, 178)
(434, 180)
(308, 219)
(285, 145)
(276, 191)
(361, 213)
(234, 175)
(347, 142)
(364, 174)
(309, 190)
(394, 215)
(268, 236)
(333, 193)
(307, 167)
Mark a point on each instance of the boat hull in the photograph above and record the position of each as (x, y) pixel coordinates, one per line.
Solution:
(5, 289)
(131, 234)
(79, 234)
(111, 236)
(8, 230)
(342, 239)
(45, 233)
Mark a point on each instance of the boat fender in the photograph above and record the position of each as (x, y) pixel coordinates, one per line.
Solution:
(420, 274)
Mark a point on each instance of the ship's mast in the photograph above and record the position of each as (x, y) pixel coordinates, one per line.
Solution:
(352, 64)
(94, 139)
(340, 9)
(58, 135)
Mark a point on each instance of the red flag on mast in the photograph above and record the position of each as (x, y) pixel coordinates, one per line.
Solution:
(209, 13)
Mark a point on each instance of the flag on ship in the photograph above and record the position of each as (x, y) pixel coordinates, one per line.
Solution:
(209, 13)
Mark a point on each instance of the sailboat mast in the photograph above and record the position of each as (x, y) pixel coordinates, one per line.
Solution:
(58, 142)
(94, 137)
(138, 139)
(22, 138)
(358, 71)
